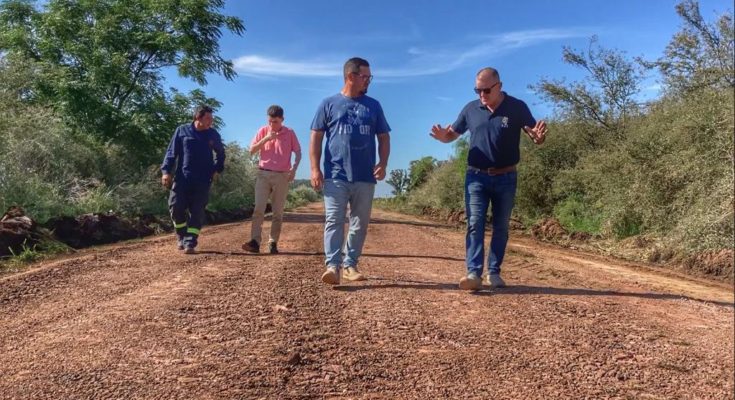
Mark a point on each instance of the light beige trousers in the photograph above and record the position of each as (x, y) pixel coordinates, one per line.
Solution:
(274, 185)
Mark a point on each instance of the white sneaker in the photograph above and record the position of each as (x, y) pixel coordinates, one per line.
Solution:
(331, 275)
(495, 281)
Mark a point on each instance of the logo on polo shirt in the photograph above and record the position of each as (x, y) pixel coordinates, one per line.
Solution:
(504, 122)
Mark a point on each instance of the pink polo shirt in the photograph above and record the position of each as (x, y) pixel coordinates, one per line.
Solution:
(276, 154)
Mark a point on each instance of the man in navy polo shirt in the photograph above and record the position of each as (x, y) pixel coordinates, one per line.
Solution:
(190, 152)
(495, 122)
(351, 122)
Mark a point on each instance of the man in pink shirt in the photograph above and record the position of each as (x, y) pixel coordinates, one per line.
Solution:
(275, 142)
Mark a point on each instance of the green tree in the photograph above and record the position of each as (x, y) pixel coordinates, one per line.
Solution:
(100, 63)
(399, 180)
(419, 171)
(605, 99)
(701, 55)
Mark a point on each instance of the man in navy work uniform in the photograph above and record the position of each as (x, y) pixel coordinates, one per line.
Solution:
(351, 122)
(190, 152)
(495, 122)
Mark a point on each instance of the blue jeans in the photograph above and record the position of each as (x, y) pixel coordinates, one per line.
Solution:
(480, 191)
(337, 195)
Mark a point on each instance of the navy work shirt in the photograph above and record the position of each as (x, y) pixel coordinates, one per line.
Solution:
(193, 150)
(494, 136)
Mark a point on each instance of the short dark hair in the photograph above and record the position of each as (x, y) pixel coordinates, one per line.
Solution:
(201, 110)
(275, 111)
(353, 65)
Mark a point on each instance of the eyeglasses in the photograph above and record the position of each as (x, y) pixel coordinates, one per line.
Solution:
(364, 77)
(486, 90)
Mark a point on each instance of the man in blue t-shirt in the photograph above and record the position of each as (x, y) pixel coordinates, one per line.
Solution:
(188, 170)
(495, 122)
(351, 123)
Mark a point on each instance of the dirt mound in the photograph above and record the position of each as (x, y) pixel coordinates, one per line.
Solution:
(548, 229)
(94, 229)
(17, 230)
(713, 263)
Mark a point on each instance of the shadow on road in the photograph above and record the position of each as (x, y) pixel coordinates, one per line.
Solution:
(307, 218)
(318, 253)
(522, 290)
(393, 284)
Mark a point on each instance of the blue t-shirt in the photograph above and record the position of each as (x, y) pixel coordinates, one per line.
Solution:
(494, 137)
(350, 126)
(190, 152)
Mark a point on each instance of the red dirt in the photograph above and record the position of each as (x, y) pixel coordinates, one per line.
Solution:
(141, 320)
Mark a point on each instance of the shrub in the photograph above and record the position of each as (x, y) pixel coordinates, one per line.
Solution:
(301, 195)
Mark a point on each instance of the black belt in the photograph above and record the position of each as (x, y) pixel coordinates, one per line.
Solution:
(270, 170)
(492, 171)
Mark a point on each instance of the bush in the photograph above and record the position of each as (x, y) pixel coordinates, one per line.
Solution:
(444, 189)
(235, 188)
(576, 215)
(301, 195)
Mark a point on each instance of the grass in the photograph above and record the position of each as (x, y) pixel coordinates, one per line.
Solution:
(45, 249)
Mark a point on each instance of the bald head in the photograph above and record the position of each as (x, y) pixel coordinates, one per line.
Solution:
(488, 72)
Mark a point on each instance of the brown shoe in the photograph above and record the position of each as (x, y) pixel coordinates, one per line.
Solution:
(470, 282)
(352, 274)
(252, 246)
(331, 276)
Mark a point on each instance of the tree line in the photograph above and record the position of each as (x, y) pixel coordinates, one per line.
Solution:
(88, 113)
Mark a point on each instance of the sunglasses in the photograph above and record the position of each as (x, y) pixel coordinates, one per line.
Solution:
(364, 77)
(486, 90)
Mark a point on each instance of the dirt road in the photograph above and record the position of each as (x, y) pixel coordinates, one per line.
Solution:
(141, 321)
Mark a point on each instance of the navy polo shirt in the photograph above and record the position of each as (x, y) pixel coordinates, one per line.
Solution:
(494, 136)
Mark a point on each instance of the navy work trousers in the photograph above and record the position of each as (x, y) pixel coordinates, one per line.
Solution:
(186, 204)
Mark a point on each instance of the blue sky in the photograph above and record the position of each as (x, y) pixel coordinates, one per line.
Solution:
(423, 55)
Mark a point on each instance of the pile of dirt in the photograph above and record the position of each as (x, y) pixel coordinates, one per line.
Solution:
(548, 229)
(104, 228)
(17, 230)
(95, 229)
(714, 263)
(457, 217)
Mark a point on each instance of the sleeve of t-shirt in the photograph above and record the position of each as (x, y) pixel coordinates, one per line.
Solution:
(460, 125)
(258, 136)
(320, 119)
(526, 117)
(381, 125)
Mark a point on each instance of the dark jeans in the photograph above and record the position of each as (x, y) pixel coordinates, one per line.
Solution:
(481, 191)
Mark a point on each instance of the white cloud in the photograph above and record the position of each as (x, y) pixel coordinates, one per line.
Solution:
(255, 65)
(422, 61)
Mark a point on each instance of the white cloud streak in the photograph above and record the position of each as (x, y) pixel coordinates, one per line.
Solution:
(421, 62)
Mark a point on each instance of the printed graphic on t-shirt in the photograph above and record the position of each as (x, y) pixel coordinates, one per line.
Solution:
(356, 118)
